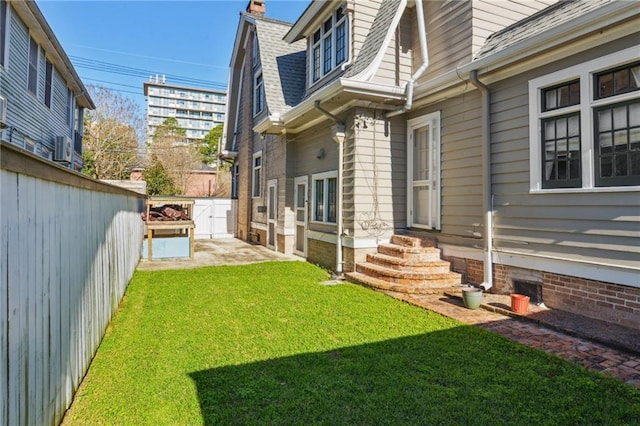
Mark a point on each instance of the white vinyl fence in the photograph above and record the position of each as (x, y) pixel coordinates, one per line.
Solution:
(215, 217)
(69, 248)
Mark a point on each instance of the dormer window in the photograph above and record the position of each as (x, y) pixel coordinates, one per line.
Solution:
(328, 45)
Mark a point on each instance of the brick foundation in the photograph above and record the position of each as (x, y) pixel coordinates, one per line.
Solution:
(594, 299)
(475, 271)
(351, 256)
(322, 253)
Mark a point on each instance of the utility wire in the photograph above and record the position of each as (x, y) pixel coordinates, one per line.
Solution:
(138, 72)
(151, 57)
(113, 82)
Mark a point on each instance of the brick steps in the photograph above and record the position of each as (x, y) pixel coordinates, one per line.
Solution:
(435, 266)
(408, 277)
(378, 284)
(407, 265)
(413, 253)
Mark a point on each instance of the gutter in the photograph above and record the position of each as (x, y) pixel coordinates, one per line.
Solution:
(487, 199)
(338, 137)
(422, 36)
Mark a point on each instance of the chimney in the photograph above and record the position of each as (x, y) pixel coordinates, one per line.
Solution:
(256, 7)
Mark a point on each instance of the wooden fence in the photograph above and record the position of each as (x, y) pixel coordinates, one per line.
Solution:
(69, 246)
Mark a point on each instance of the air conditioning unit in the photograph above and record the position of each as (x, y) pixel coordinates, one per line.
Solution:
(64, 149)
(3, 112)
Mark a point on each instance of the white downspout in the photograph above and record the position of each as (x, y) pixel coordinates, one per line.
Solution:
(422, 35)
(338, 137)
(487, 202)
(349, 20)
(339, 231)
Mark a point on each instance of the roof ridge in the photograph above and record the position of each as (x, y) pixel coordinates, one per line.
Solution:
(267, 19)
(530, 18)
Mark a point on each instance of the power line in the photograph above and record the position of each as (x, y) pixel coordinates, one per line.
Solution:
(138, 72)
(115, 89)
(151, 57)
(113, 82)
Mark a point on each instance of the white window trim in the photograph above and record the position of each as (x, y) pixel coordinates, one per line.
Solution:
(37, 66)
(322, 176)
(585, 72)
(333, 34)
(255, 184)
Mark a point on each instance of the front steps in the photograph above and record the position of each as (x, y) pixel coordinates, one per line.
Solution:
(406, 265)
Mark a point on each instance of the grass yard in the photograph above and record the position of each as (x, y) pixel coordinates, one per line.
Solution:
(267, 344)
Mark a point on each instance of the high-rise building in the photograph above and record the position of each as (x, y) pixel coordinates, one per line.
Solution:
(197, 110)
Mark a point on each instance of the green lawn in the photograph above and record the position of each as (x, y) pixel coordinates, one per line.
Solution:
(267, 344)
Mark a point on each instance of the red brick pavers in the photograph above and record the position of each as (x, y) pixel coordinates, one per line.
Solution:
(591, 355)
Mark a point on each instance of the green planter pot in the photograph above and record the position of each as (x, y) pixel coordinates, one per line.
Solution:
(471, 297)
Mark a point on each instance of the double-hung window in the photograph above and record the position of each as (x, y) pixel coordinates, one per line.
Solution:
(258, 93)
(32, 83)
(328, 45)
(617, 126)
(584, 125)
(256, 182)
(325, 195)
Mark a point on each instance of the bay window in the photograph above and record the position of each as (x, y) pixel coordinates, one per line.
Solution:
(328, 45)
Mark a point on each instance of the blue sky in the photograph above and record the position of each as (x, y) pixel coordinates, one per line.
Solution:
(192, 39)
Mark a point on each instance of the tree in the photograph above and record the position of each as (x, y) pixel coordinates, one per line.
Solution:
(158, 180)
(209, 147)
(112, 132)
(177, 157)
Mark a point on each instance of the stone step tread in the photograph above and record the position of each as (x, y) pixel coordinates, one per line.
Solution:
(409, 241)
(399, 261)
(403, 249)
(378, 284)
(414, 275)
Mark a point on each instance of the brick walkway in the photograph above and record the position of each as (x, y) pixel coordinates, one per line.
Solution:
(583, 351)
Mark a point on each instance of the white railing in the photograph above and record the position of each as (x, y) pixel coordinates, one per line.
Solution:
(69, 246)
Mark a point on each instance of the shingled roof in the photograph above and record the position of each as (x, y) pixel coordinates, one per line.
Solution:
(544, 20)
(283, 64)
(377, 34)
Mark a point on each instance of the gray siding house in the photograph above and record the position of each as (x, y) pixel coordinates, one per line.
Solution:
(42, 99)
(506, 136)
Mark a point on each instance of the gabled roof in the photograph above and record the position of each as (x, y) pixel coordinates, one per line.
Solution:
(538, 23)
(283, 65)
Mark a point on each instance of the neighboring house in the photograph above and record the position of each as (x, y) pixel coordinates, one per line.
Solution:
(508, 135)
(202, 182)
(42, 99)
(197, 110)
